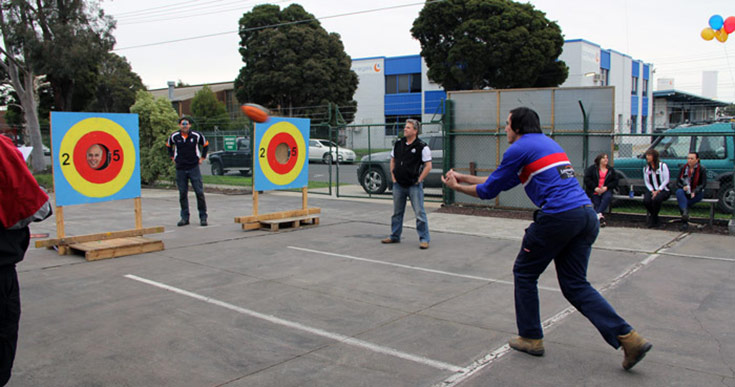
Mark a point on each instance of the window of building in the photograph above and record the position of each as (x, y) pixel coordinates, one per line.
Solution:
(604, 77)
(403, 83)
(634, 86)
(394, 124)
(633, 124)
(644, 124)
(644, 87)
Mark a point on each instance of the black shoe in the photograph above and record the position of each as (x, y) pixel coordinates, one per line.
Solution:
(684, 226)
(183, 222)
(203, 222)
(685, 215)
(603, 223)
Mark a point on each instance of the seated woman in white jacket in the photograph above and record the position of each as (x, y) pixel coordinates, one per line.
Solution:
(656, 177)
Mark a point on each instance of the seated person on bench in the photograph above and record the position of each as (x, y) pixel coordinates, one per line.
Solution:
(690, 186)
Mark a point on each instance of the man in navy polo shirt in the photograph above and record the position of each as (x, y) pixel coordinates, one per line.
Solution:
(184, 149)
(563, 230)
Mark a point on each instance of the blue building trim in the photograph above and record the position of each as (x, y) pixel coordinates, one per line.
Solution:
(403, 104)
(605, 59)
(644, 107)
(646, 71)
(634, 105)
(433, 101)
(636, 68)
(397, 65)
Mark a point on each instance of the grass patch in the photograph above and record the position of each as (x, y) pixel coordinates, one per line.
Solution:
(700, 210)
(45, 180)
(240, 181)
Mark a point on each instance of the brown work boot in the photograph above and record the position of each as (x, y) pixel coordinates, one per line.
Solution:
(634, 348)
(389, 240)
(423, 245)
(533, 347)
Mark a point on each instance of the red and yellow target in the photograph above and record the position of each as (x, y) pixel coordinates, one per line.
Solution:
(95, 157)
(282, 153)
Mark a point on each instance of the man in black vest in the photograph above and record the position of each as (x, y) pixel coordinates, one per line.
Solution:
(409, 164)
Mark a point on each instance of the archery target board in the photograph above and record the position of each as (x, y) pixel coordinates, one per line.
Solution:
(95, 157)
(282, 155)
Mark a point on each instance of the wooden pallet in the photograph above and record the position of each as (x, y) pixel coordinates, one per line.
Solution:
(119, 247)
(284, 223)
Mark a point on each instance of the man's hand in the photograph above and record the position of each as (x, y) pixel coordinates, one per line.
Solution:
(455, 175)
(450, 180)
(653, 194)
(693, 195)
(201, 159)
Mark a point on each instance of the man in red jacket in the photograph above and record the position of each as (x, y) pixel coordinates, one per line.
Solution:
(21, 202)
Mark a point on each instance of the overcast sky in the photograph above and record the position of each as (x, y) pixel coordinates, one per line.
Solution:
(665, 33)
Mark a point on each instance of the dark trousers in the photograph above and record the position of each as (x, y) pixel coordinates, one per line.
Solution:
(9, 319)
(566, 238)
(183, 176)
(653, 205)
(601, 202)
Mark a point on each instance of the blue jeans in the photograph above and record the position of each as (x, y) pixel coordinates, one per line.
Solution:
(183, 176)
(566, 238)
(416, 194)
(686, 201)
(601, 202)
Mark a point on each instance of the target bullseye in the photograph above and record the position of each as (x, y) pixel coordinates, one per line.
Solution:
(112, 157)
(289, 149)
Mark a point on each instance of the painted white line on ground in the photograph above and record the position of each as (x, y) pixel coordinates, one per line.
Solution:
(414, 267)
(664, 252)
(294, 325)
(490, 358)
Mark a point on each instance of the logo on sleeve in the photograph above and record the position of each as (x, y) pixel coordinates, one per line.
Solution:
(565, 171)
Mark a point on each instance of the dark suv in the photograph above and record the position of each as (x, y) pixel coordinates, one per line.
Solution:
(373, 172)
(713, 142)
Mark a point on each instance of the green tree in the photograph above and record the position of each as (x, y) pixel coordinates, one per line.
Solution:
(477, 44)
(728, 110)
(291, 62)
(157, 120)
(208, 112)
(117, 85)
(56, 42)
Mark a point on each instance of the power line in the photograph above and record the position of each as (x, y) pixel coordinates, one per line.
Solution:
(280, 24)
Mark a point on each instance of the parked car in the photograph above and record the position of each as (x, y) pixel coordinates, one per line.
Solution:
(373, 173)
(716, 152)
(319, 150)
(240, 159)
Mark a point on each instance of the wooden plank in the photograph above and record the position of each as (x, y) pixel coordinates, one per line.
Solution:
(251, 226)
(289, 220)
(304, 196)
(278, 215)
(295, 222)
(59, 230)
(138, 213)
(97, 237)
(119, 247)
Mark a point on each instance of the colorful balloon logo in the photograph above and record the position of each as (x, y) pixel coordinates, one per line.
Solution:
(719, 28)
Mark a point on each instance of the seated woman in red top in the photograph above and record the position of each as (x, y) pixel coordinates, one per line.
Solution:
(599, 181)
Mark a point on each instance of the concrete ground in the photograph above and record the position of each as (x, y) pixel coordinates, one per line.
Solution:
(331, 306)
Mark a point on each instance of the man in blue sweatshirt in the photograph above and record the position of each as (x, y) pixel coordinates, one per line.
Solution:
(563, 230)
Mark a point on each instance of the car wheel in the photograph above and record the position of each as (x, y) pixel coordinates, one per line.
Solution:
(245, 172)
(374, 181)
(217, 168)
(726, 195)
(327, 158)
